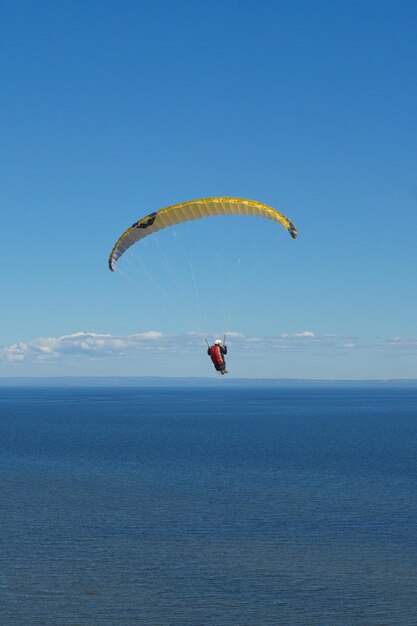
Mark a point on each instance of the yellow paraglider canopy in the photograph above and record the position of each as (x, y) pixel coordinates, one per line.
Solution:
(193, 210)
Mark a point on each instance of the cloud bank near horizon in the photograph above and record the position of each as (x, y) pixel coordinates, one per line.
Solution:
(303, 354)
(102, 345)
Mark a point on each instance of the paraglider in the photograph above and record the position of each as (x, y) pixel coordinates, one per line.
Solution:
(193, 210)
(217, 353)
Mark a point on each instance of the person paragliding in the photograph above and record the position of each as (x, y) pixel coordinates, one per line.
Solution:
(194, 210)
(217, 353)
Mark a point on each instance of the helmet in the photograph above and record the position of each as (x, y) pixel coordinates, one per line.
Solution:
(218, 342)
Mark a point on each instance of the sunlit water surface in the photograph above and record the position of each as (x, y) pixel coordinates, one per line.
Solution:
(208, 506)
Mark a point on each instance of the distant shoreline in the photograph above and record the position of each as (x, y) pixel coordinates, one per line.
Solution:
(161, 381)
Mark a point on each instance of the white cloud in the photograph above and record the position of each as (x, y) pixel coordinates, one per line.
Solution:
(299, 341)
(400, 343)
(80, 343)
(14, 353)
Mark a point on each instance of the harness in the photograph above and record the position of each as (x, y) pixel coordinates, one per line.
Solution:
(216, 356)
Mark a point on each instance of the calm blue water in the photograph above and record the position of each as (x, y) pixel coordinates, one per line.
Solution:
(208, 506)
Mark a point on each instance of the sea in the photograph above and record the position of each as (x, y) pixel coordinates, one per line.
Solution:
(199, 505)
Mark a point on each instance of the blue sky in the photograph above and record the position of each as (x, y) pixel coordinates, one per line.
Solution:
(110, 110)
